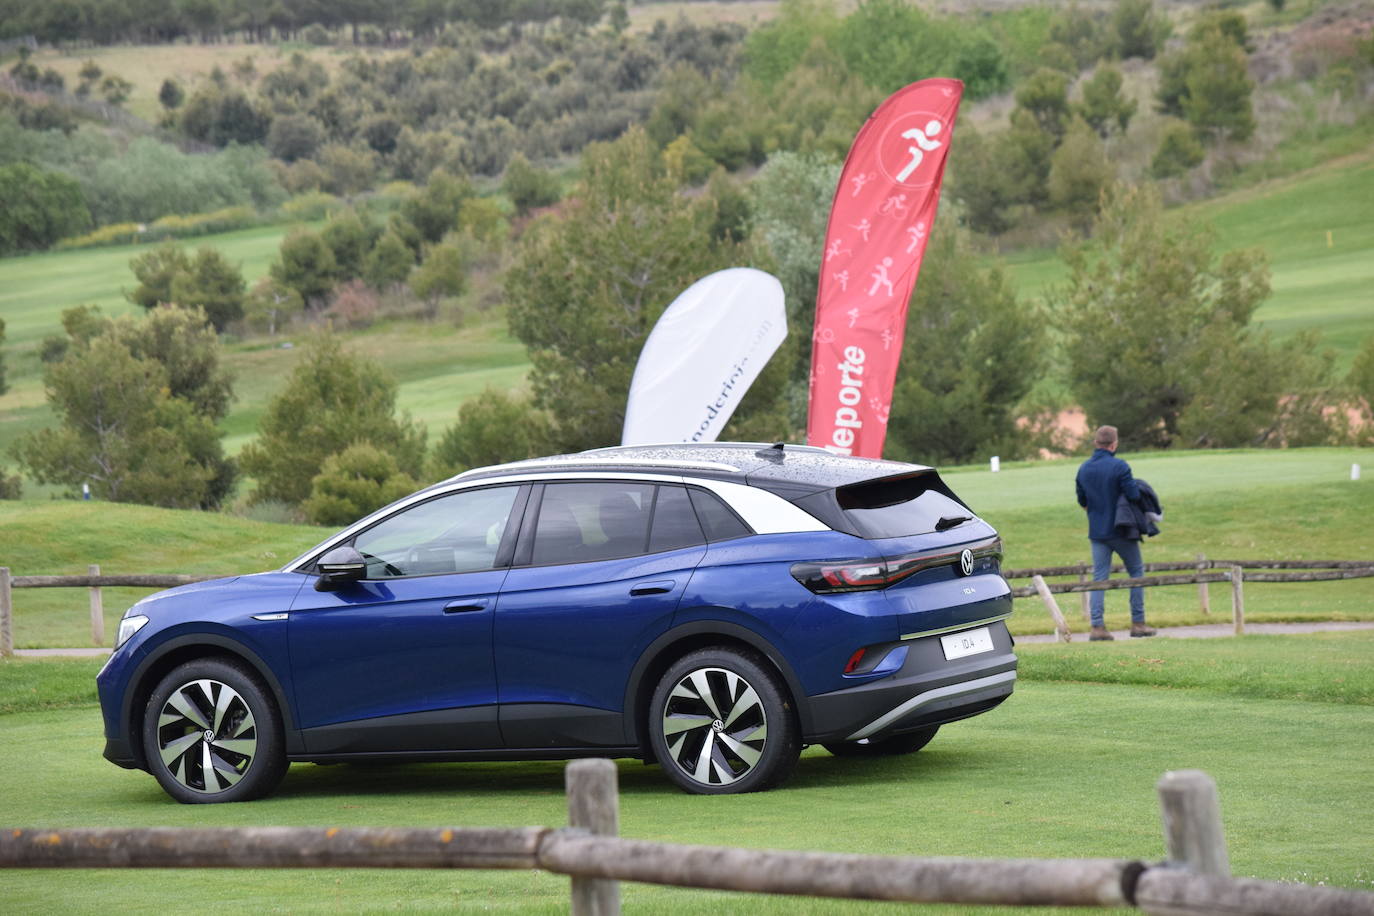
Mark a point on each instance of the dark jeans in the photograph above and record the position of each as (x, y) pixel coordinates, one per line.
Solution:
(1129, 552)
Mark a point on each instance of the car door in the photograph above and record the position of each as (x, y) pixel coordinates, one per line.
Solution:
(402, 661)
(599, 571)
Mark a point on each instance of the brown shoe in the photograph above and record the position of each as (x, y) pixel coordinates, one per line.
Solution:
(1101, 634)
(1139, 629)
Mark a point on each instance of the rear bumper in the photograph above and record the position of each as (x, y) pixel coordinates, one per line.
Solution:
(927, 690)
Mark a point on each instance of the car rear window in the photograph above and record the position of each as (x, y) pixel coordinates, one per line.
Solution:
(900, 506)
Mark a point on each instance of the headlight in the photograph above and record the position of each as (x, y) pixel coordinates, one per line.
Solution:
(128, 627)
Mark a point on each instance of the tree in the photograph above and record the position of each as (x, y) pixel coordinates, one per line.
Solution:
(1158, 339)
(125, 426)
(1179, 151)
(527, 187)
(389, 262)
(434, 210)
(332, 400)
(1360, 382)
(211, 283)
(306, 264)
(1079, 171)
(588, 284)
(182, 341)
(40, 207)
(155, 270)
(294, 136)
(493, 427)
(1207, 81)
(1103, 106)
(1140, 32)
(958, 389)
(4, 384)
(359, 480)
(171, 95)
(349, 238)
(442, 273)
(1045, 96)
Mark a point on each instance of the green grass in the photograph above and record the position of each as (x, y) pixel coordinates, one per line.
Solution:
(1329, 289)
(64, 537)
(1065, 768)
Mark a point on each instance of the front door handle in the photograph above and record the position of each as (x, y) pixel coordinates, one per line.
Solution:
(463, 605)
(653, 588)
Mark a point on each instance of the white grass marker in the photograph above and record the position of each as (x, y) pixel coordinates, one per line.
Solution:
(996, 464)
(1354, 472)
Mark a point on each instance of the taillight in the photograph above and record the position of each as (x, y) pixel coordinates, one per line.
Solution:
(854, 661)
(829, 577)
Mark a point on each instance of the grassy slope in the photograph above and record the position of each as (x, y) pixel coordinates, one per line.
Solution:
(1329, 289)
(1065, 768)
(1294, 504)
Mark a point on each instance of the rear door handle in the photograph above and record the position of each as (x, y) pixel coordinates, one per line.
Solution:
(463, 605)
(653, 588)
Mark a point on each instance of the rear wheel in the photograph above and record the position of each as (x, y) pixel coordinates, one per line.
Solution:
(212, 733)
(908, 743)
(721, 722)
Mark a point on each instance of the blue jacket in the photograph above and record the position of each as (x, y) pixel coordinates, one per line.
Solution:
(1102, 479)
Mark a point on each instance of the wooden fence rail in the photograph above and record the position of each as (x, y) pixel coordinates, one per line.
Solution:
(1316, 571)
(1195, 878)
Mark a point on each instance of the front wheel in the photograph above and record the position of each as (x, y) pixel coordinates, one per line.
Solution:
(721, 722)
(908, 743)
(212, 733)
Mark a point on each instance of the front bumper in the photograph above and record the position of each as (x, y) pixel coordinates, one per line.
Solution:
(117, 752)
(927, 690)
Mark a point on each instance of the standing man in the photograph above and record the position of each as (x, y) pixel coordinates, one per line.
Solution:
(1102, 480)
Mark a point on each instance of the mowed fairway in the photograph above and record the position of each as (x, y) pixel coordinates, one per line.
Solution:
(1316, 285)
(1065, 768)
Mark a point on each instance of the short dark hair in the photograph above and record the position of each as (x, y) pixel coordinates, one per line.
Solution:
(1105, 437)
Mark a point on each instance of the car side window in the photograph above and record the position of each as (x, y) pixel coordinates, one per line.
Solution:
(581, 522)
(460, 532)
(717, 519)
(675, 523)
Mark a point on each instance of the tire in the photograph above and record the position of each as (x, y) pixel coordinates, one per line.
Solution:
(908, 743)
(721, 722)
(245, 758)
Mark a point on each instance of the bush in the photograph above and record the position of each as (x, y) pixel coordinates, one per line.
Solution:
(39, 208)
(492, 428)
(1179, 151)
(294, 136)
(527, 187)
(114, 234)
(353, 483)
(11, 485)
(315, 205)
(353, 304)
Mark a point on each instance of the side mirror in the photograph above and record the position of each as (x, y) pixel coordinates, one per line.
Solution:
(340, 567)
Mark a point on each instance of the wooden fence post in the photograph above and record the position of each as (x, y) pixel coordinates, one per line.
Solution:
(1061, 625)
(1204, 599)
(1087, 599)
(97, 609)
(594, 806)
(1193, 836)
(6, 613)
(1238, 599)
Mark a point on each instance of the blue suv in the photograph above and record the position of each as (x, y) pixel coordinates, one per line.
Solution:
(712, 608)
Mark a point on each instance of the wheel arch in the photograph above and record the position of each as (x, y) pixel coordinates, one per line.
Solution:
(680, 640)
(178, 651)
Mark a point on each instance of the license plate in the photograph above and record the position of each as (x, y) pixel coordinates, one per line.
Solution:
(969, 642)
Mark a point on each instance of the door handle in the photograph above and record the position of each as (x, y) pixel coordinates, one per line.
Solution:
(463, 605)
(653, 588)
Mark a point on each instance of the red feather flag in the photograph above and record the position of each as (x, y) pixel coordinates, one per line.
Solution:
(883, 212)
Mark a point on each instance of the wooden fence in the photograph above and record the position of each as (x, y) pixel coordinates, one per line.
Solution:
(1195, 877)
(1197, 572)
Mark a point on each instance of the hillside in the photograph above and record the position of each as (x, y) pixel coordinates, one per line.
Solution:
(1327, 288)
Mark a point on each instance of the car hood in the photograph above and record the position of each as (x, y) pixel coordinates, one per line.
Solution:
(268, 590)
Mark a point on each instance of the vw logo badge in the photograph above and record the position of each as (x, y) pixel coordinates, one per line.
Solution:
(966, 562)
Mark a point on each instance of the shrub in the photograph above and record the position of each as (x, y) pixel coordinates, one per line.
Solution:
(294, 136)
(40, 207)
(1179, 151)
(314, 205)
(114, 234)
(527, 187)
(354, 304)
(492, 428)
(353, 483)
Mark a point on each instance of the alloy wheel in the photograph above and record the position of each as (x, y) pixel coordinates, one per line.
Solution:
(715, 726)
(206, 736)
